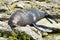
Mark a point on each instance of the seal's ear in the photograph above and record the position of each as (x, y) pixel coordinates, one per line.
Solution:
(51, 17)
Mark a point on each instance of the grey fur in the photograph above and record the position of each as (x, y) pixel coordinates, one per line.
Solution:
(29, 16)
(26, 16)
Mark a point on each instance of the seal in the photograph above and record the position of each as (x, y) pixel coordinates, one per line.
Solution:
(28, 17)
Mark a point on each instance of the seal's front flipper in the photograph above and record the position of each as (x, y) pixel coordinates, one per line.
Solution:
(41, 28)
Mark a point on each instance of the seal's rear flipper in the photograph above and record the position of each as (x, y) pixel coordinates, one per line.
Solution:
(49, 20)
(40, 28)
(51, 17)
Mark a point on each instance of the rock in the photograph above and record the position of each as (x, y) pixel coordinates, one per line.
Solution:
(51, 8)
(52, 37)
(33, 32)
(44, 34)
(55, 1)
(4, 8)
(29, 31)
(11, 1)
(1, 38)
(57, 37)
(4, 27)
(47, 23)
(4, 17)
(22, 4)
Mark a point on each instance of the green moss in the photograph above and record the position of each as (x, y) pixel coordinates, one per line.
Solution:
(12, 7)
(40, 0)
(56, 34)
(24, 36)
(16, 36)
(51, 36)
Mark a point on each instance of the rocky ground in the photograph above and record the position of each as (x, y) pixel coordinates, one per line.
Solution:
(28, 32)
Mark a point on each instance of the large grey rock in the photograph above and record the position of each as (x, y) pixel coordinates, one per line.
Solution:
(29, 31)
(4, 27)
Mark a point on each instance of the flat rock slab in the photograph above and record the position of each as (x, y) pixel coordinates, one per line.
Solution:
(52, 37)
(48, 24)
(30, 31)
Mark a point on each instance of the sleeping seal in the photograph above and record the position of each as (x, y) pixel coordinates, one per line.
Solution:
(28, 17)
